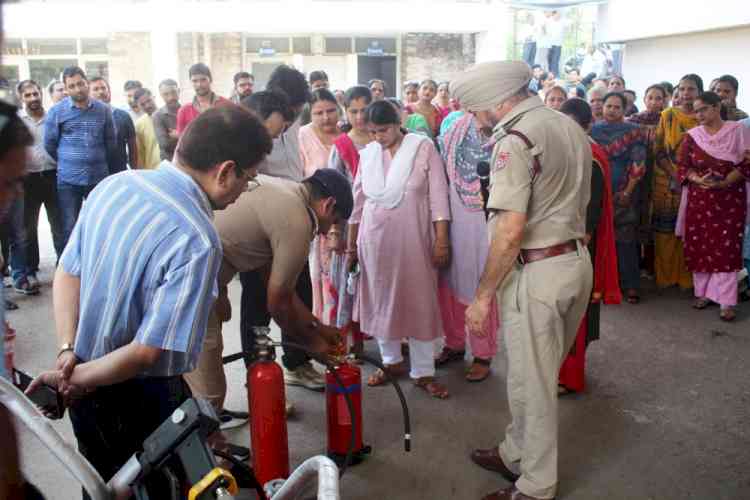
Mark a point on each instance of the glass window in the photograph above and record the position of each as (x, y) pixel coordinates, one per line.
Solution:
(386, 45)
(52, 47)
(97, 68)
(338, 45)
(94, 46)
(44, 71)
(279, 45)
(301, 45)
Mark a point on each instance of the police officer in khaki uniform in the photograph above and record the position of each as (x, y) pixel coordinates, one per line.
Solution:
(537, 264)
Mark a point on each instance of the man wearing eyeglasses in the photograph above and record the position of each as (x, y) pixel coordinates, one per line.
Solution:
(269, 230)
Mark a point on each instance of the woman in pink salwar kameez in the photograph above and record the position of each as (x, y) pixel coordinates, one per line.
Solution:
(399, 235)
(315, 143)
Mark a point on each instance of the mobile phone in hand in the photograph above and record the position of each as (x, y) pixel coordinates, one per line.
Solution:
(45, 397)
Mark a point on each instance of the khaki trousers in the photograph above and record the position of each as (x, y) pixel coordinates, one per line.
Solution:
(542, 305)
(208, 381)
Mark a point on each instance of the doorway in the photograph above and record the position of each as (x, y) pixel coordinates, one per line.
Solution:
(382, 67)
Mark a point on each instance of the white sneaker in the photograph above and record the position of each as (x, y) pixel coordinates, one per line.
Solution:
(305, 376)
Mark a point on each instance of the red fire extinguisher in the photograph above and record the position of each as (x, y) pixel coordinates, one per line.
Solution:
(268, 433)
(340, 422)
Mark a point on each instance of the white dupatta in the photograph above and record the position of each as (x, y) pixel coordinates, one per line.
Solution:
(388, 190)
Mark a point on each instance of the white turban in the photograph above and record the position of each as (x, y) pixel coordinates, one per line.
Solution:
(484, 86)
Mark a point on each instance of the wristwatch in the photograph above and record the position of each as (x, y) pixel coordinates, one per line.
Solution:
(67, 346)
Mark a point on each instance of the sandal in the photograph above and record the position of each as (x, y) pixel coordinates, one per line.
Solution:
(633, 297)
(432, 387)
(449, 355)
(380, 377)
(10, 305)
(701, 303)
(728, 315)
(479, 370)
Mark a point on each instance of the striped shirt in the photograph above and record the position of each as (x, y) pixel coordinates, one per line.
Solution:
(82, 141)
(149, 273)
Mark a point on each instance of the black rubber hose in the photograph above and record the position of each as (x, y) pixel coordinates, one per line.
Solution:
(242, 465)
(401, 397)
(349, 404)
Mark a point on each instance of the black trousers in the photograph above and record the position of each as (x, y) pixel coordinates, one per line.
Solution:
(111, 423)
(253, 312)
(41, 189)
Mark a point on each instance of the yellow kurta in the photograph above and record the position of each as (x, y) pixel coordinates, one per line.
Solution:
(148, 146)
(670, 260)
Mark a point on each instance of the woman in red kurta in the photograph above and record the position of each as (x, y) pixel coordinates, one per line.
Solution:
(713, 212)
(600, 233)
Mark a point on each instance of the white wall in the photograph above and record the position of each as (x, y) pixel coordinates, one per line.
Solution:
(709, 55)
(37, 19)
(622, 20)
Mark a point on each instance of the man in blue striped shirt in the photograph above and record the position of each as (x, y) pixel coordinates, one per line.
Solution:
(132, 296)
(80, 135)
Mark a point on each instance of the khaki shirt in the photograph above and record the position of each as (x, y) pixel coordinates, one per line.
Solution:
(271, 224)
(555, 201)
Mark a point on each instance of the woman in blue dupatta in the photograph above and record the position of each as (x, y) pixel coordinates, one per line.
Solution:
(626, 151)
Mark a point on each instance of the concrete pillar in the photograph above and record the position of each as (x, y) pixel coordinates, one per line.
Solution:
(492, 45)
(164, 60)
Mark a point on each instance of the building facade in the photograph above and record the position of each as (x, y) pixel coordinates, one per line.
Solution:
(352, 40)
(667, 39)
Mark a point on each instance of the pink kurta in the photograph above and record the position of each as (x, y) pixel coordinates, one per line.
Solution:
(398, 294)
(314, 155)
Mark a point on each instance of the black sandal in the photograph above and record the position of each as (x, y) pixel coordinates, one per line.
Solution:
(448, 356)
(10, 305)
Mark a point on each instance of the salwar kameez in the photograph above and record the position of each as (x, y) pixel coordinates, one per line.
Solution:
(714, 223)
(315, 155)
(600, 225)
(461, 149)
(626, 151)
(398, 284)
(669, 260)
(345, 159)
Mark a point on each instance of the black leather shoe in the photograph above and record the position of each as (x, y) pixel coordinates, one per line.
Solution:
(490, 459)
(511, 493)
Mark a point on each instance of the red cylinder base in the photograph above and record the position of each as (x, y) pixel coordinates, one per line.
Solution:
(268, 432)
(339, 420)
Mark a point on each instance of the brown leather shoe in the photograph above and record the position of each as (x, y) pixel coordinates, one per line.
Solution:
(511, 493)
(490, 459)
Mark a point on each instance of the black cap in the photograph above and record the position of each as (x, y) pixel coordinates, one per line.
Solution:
(335, 184)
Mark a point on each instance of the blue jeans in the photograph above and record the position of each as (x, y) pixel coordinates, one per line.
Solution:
(18, 243)
(69, 201)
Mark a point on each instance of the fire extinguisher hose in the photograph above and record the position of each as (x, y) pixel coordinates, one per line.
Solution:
(374, 362)
(330, 366)
(349, 405)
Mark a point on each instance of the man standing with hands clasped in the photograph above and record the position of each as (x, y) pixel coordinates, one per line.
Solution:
(123, 352)
(537, 264)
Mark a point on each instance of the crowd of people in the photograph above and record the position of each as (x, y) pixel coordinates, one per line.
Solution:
(350, 214)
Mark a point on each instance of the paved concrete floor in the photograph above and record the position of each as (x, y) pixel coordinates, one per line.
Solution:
(666, 414)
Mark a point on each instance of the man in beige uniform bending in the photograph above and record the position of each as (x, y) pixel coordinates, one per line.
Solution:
(270, 228)
(537, 265)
